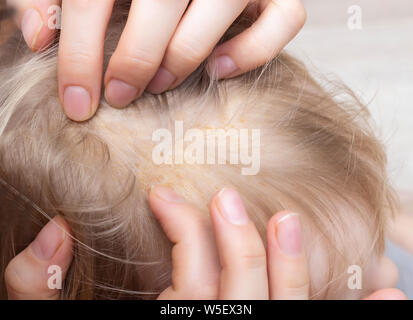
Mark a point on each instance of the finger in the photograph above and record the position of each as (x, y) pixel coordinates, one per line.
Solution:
(287, 262)
(141, 48)
(203, 25)
(194, 258)
(277, 25)
(241, 251)
(387, 294)
(30, 274)
(80, 63)
(38, 21)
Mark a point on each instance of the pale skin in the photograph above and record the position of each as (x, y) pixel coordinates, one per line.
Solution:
(225, 259)
(207, 261)
(153, 56)
(402, 226)
(401, 232)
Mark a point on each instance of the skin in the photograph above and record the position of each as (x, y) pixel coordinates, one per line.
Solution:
(402, 226)
(207, 261)
(223, 260)
(153, 56)
(401, 232)
(26, 275)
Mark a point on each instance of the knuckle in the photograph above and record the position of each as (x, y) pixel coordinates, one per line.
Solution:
(77, 56)
(296, 10)
(297, 292)
(137, 60)
(265, 49)
(187, 50)
(253, 261)
(300, 14)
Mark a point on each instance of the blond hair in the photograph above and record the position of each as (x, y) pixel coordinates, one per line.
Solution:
(319, 156)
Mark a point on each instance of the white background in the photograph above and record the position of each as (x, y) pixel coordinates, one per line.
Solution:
(376, 62)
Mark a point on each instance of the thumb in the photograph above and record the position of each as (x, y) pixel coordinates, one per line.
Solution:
(38, 271)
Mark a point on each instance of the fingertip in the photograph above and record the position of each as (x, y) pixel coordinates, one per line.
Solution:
(78, 103)
(35, 29)
(163, 200)
(297, 10)
(64, 254)
(221, 67)
(62, 223)
(44, 39)
(284, 233)
(161, 82)
(66, 230)
(288, 265)
(178, 218)
(120, 94)
(279, 216)
(229, 205)
(31, 25)
(50, 239)
(275, 27)
(387, 294)
(166, 194)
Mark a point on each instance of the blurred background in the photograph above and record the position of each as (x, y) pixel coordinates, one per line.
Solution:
(369, 45)
(376, 61)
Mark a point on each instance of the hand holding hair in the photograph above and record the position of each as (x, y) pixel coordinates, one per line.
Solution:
(223, 261)
(162, 44)
(27, 275)
(228, 260)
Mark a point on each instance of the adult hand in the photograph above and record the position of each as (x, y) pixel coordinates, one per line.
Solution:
(27, 275)
(248, 271)
(228, 260)
(163, 42)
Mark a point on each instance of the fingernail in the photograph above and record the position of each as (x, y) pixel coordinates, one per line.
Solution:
(77, 103)
(231, 207)
(119, 94)
(167, 194)
(161, 82)
(48, 241)
(223, 67)
(288, 232)
(31, 26)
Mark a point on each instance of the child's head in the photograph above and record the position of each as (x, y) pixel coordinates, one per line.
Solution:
(317, 155)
